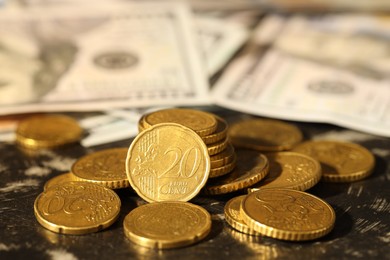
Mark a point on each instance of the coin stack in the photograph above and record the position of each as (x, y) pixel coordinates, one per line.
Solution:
(211, 128)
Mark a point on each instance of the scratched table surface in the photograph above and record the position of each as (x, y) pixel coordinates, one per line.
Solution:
(362, 228)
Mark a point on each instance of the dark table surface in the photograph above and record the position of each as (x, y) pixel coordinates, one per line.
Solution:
(362, 228)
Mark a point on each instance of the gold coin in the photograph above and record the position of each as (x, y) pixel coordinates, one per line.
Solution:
(252, 166)
(47, 131)
(217, 172)
(264, 135)
(233, 216)
(287, 214)
(59, 179)
(202, 123)
(167, 224)
(77, 208)
(290, 170)
(219, 134)
(106, 167)
(217, 147)
(223, 158)
(340, 161)
(167, 162)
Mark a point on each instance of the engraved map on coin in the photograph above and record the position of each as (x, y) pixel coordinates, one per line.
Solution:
(115, 60)
(167, 162)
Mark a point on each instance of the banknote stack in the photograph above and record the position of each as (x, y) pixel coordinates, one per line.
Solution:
(170, 162)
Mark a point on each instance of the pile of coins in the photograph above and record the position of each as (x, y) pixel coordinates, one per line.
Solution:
(180, 153)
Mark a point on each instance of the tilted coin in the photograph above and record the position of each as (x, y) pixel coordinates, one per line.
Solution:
(287, 214)
(218, 147)
(59, 179)
(47, 131)
(201, 122)
(340, 161)
(106, 167)
(167, 224)
(219, 171)
(219, 134)
(77, 208)
(167, 162)
(252, 166)
(223, 158)
(290, 170)
(264, 135)
(233, 216)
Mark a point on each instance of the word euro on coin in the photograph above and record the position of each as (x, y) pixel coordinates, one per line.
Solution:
(167, 162)
(47, 131)
(77, 208)
(167, 224)
(287, 214)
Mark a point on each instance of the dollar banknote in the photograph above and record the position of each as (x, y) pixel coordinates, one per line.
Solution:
(68, 58)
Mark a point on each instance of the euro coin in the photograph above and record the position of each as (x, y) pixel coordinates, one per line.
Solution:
(290, 170)
(77, 208)
(340, 161)
(264, 135)
(59, 179)
(167, 224)
(252, 166)
(47, 131)
(167, 162)
(287, 214)
(106, 167)
(233, 216)
(202, 123)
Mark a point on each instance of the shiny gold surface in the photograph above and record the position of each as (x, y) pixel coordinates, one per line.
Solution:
(167, 224)
(252, 166)
(219, 134)
(106, 167)
(47, 131)
(167, 162)
(220, 171)
(77, 208)
(287, 214)
(223, 158)
(218, 147)
(290, 170)
(340, 161)
(59, 179)
(264, 135)
(233, 216)
(202, 123)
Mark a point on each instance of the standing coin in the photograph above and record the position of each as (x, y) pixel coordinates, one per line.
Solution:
(264, 135)
(167, 224)
(202, 123)
(167, 162)
(287, 214)
(105, 167)
(77, 208)
(233, 216)
(252, 166)
(340, 161)
(290, 170)
(47, 131)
